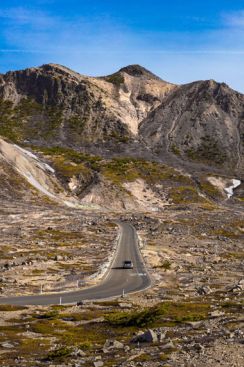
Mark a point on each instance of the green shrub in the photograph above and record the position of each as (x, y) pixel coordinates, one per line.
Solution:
(116, 79)
(166, 312)
(11, 308)
(60, 353)
(185, 195)
(51, 315)
(134, 318)
(166, 265)
(175, 149)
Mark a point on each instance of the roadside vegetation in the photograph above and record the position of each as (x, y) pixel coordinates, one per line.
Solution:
(59, 323)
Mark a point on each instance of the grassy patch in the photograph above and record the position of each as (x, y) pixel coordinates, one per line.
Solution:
(69, 169)
(166, 265)
(240, 199)
(117, 79)
(56, 235)
(27, 120)
(210, 190)
(175, 149)
(227, 231)
(185, 195)
(156, 316)
(82, 316)
(69, 163)
(133, 318)
(71, 335)
(235, 255)
(233, 307)
(59, 354)
(121, 170)
(33, 347)
(10, 308)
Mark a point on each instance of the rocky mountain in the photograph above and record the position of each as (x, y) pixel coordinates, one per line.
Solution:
(126, 140)
(127, 147)
(52, 103)
(201, 121)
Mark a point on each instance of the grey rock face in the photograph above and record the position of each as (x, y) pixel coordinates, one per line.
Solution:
(201, 121)
(149, 336)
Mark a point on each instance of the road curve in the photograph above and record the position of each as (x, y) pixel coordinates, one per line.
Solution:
(114, 283)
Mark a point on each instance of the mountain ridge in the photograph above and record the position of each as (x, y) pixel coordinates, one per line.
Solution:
(130, 112)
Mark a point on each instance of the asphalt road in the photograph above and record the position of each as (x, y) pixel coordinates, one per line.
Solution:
(116, 281)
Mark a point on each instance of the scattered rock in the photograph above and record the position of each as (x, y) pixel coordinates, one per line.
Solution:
(195, 324)
(216, 313)
(78, 353)
(241, 284)
(7, 345)
(98, 363)
(112, 344)
(168, 345)
(125, 305)
(148, 336)
(204, 290)
(58, 258)
(239, 287)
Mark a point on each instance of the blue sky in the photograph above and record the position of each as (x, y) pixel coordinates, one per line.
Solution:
(179, 40)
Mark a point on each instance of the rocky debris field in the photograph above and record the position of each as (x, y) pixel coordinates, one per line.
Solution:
(122, 333)
(191, 316)
(193, 252)
(51, 248)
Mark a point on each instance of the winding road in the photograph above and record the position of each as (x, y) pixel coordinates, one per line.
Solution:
(116, 281)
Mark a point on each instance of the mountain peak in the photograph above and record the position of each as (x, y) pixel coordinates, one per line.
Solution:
(51, 67)
(138, 71)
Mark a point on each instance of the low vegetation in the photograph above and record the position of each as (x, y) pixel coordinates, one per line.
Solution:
(208, 151)
(185, 195)
(28, 120)
(117, 79)
(121, 170)
(158, 315)
(210, 190)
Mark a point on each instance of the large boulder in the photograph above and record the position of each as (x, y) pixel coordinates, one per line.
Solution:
(113, 344)
(149, 336)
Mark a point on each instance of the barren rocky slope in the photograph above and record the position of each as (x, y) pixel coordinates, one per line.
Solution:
(52, 103)
(87, 129)
(202, 121)
(131, 112)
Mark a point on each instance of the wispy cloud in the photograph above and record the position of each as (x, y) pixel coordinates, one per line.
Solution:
(235, 20)
(99, 45)
(9, 51)
(22, 17)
